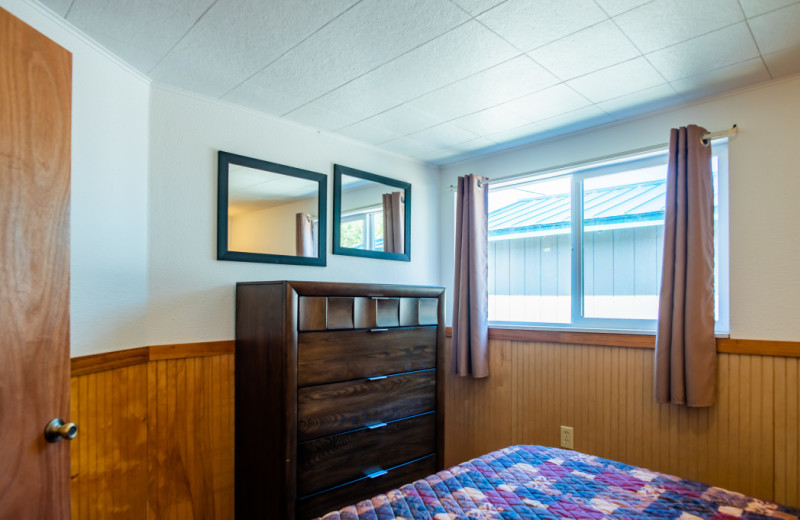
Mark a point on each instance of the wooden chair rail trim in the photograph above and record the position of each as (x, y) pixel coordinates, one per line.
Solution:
(753, 347)
(136, 356)
(108, 361)
(123, 358)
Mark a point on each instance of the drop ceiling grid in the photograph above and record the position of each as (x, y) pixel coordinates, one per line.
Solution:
(707, 50)
(651, 79)
(436, 79)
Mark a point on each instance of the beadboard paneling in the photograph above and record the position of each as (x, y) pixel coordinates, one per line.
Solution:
(109, 455)
(747, 442)
(156, 439)
(180, 411)
(190, 430)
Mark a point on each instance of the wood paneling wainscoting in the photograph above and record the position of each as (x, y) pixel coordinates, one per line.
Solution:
(156, 433)
(156, 437)
(747, 442)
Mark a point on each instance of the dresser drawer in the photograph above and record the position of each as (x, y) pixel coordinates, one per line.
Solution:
(364, 312)
(340, 407)
(326, 357)
(321, 503)
(338, 459)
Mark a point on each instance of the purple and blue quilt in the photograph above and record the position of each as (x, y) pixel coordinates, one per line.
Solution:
(539, 483)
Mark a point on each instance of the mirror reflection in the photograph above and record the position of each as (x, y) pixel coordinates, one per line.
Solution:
(371, 215)
(271, 212)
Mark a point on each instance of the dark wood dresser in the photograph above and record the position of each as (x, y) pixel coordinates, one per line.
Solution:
(338, 393)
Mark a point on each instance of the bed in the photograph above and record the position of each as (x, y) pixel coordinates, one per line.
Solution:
(536, 482)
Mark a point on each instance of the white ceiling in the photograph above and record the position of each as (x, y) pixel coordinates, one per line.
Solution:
(443, 80)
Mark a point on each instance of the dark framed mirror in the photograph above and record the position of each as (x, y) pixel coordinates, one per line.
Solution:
(268, 212)
(371, 215)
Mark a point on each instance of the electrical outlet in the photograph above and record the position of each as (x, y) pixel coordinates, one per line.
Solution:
(567, 433)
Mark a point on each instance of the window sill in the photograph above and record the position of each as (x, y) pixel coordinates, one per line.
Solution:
(625, 339)
(582, 337)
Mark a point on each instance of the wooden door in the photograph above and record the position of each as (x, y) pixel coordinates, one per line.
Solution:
(35, 100)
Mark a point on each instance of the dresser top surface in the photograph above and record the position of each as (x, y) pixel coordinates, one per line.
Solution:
(304, 288)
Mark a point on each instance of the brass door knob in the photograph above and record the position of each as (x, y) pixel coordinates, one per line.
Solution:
(58, 429)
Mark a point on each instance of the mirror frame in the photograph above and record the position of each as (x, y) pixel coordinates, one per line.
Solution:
(338, 171)
(224, 160)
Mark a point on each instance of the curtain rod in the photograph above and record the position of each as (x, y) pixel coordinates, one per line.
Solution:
(705, 139)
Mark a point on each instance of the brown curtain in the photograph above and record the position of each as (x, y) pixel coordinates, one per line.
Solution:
(685, 359)
(305, 237)
(393, 217)
(471, 287)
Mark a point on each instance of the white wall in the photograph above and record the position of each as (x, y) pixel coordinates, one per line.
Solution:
(191, 294)
(764, 187)
(246, 230)
(110, 107)
(143, 213)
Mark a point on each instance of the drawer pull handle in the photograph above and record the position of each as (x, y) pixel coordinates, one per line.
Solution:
(376, 425)
(375, 473)
(378, 330)
(376, 378)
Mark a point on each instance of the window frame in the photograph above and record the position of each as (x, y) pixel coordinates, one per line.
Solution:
(367, 216)
(578, 173)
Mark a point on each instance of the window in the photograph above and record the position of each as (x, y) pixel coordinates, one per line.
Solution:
(363, 229)
(582, 247)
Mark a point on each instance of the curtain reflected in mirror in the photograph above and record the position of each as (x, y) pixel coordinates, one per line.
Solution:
(270, 212)
(306, 229)
(371, 215)
(393, 224)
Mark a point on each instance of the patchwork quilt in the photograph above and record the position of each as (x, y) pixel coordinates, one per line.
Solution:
(535, 482)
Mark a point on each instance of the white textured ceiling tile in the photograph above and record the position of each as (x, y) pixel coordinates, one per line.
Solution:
(60, 7)
(586, 51)
(367, 133)
(140, 32)
(777, 30)
(617, 80)
(783, 63)
(474, 144)
(237, 38)
(662, 23)
(647, 100)
(320, 118)
(514, 135)
(504, 82)
(444, 135)
(391, 28)
(720, 80)
(360, 98)
(757, 7)
(547, 103)
(714, 50)
(434, 157)
(138, 57)
(459, 152)
(337, 54)
(407, 146)
(457, 54)
(476, 7)
(510, 80)
(403, 120)
(275, 94)
(490, 121)
(615, 7)
(575, 121)
(585, 117)
(451, 101)
(529, 24)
